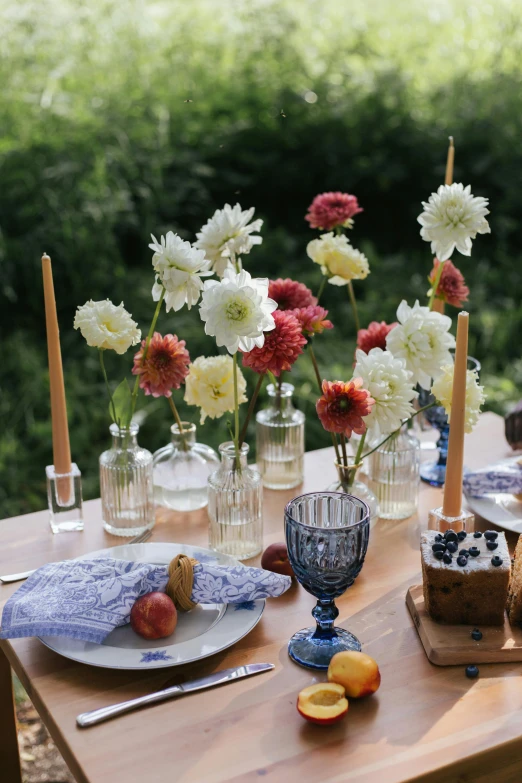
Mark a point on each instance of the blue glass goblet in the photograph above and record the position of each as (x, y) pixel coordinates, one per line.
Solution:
(327, 537)
(434, 473)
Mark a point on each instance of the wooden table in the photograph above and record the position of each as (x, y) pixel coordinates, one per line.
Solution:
(426, 723)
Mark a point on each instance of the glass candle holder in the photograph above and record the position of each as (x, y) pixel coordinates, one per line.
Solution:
(280, 440)
(394, 473)
(235, 505)
(181, 470)
(64, 496)
(126, 484)
(347, 482)
(327, 537)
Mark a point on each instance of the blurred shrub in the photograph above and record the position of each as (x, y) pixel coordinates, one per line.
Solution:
(119, 120)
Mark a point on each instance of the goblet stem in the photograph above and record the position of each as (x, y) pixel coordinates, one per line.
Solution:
(325, 613)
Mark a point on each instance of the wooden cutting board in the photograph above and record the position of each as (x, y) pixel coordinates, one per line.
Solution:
(448, 645)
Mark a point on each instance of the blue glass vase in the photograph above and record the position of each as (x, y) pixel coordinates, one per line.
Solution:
(327, 537)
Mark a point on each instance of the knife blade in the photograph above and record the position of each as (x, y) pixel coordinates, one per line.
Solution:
(86, 719)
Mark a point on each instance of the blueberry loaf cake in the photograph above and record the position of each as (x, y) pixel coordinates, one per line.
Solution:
(465, 577)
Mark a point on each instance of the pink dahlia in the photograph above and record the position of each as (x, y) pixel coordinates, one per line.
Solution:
(313, 319)
(165, 367)
(343, 405)
(289, 294)
(374, 336)
(452, 287)
(281, 348)
(329, 210)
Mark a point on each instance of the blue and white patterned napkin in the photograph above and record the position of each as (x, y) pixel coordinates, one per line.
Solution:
(87, 599)
(502, 477)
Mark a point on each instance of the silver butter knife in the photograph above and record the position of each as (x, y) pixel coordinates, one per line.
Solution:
(218, 678)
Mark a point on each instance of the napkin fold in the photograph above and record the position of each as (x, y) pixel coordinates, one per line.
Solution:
(87, 599)
(502, 477)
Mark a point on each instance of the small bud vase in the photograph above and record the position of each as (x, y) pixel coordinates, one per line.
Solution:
(280, 442)
(235, 505)
(394, 474)
(181, 470)
(347, 482)
(126, 484)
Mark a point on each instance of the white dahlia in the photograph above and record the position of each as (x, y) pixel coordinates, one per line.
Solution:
(227, 235)
(237, 310)
(338, 260)
(452, 218)
(422, 338)
(442, 390)
(107, 326)
(390, 384)
(210, 385)
(179, 268)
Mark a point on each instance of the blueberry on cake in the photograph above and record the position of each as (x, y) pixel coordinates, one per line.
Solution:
(514, 601)
(465, 576)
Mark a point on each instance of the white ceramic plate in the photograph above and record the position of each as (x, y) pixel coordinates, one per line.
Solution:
(503, 510)
(202, 632)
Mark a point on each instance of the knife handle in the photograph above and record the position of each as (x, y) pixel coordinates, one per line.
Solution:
(93, 717)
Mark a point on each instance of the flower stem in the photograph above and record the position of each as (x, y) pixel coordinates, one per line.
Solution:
(134, 396)
(321, 288)
(251, 407)
(360, 448)
(436, 282)
(354, 306)
(395, 432)
(102, 363)
(178, 422)
(318, 376)
(236, 413)
(343, 448)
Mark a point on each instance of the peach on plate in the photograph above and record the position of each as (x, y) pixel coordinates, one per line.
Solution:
(154, 616)
(275, 558)
(357, 672)
(323, 703)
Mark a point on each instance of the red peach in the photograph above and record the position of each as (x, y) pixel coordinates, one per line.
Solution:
(356, 672)
(154, 616)
(323, 703)
(275, 558)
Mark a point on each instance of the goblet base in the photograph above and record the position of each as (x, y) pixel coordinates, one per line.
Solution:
(316, 653)
(433, 473)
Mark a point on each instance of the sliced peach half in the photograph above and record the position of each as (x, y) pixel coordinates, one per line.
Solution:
(323, 703)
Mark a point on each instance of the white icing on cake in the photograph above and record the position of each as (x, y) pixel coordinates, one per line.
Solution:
(480, 563)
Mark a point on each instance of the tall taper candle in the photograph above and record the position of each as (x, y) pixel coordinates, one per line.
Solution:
(449, 163)
(452, 504)
(61, 447)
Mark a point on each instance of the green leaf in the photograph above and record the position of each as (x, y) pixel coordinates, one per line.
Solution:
(122, 403)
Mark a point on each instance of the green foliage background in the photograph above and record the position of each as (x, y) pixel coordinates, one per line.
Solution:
(122, 119)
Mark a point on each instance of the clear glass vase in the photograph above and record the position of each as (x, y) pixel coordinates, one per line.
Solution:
(280, 440)
(347, 482)
(181, 470)
(235, 505)
(126, 484)
(394, 473)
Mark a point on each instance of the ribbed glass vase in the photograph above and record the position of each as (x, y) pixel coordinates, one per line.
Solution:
(280, 440)
(181, 470)
(235, 505)
(126, 484)
(394, 473)
(348, 483)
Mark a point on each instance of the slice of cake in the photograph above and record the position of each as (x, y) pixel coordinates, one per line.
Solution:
(514, 601)
(465, 576)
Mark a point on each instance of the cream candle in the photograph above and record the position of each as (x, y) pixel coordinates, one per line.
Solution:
(452, 504)
(449, 163)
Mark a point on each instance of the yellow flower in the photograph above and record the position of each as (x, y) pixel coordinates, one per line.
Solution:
(338, 260)
(442, 390)
(210, 386)
(107, 326)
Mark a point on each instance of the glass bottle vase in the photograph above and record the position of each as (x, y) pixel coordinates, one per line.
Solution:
(394, 473)
(235, 505)
(126, 484)
(280, 442)
(181, 470)
(347, 482)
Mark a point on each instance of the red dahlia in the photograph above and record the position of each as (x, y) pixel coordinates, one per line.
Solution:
(165, 367)
(281, 348)
(289, 294)
(313, 319)
(343, 405)
(452, 287)
(374, 336)
(329, 210)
